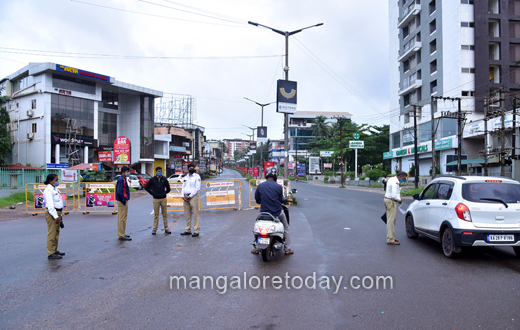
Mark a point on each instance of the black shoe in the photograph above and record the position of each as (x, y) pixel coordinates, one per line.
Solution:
(125, 238)
(185, 233)
(127, 235)
(154, 232)
(54, 256)
(195, 235)
(167, 232)
(60, 253)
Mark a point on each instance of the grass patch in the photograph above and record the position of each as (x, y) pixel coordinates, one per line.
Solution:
(412, 192)
(132, 189)
(15, 199)
(342, 186)
(376, 185)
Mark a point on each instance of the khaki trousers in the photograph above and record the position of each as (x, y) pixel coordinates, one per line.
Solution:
(391, 208)
(122, 212)
(162, 204)
(192, 208)
(53, 233)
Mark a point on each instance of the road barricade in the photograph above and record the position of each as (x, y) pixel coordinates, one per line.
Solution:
(66, 191)
(97, 197)
(221, 195)
(174, 199)
(286, 185)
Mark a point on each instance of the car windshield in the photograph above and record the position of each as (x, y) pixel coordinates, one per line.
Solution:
(133, 177)
(146, 177)
(507, 192)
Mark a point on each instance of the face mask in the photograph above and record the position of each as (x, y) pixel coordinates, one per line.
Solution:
(127, 175)
(192, 170)
(56, 184)
(159, 174)
(402, 180)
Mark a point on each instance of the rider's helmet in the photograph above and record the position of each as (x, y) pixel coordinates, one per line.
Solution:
(271, 172)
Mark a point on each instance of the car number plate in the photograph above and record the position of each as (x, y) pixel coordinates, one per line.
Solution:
(263, 240)
(501, 238)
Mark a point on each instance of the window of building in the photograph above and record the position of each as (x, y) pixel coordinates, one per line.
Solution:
(408, 137)
(73, 84)
(418, 20)
(448, 127)
(425, 132)
(467, 2)
(433, 66)
(468, 93)
(107, 128)
(468, 70)
(494, 74)
(432, 6)
(433, 46)
(514, 52)
(433, 26)
(396, 140)
(22, 83)
(467, 24)
(110, 100)
(406, 32)
(147, 126)
(514, 29)
(494, 6)
(467, 47)
(494, 28)
(494, 51)
(66, 109)
(514, 78)
(514, 7)
(433, 87)
(33, 127)
(419, 74)
(406, 66)
(406, 100)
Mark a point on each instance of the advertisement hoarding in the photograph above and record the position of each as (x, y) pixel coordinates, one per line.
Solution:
(286, 96)
(122, 150)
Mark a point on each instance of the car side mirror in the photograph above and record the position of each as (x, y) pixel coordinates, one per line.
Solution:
(416, 197)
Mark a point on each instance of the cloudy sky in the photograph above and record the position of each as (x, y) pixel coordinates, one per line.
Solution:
(206, 49)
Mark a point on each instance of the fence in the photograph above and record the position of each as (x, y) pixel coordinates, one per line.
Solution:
(174, 199)
(38, 206)
(221, 195)
(98, 197)
(286, 185)
(19, 178)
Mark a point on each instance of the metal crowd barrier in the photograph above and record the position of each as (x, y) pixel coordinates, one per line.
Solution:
(285, 183)
(174, 199)
(221, 195)
(98, 197)
(66, 190)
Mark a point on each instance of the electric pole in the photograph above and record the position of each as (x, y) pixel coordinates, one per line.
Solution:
(459, 147)
(433, 109)
(416, 151)
(503, 136)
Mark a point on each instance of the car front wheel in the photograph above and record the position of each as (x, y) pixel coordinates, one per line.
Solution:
(410, 228)
(448, 245)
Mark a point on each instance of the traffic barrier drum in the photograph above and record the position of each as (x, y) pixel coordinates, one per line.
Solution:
(37, 206)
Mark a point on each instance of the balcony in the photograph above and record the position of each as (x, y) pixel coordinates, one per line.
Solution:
(410, 48)
(409, 14)
(413, 85)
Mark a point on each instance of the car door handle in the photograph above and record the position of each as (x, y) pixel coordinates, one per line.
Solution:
(444, 203)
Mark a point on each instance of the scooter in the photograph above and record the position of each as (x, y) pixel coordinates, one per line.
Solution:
(269, 233)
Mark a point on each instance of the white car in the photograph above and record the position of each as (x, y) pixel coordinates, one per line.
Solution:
(133, 181)
(467, 211)
(174, 178)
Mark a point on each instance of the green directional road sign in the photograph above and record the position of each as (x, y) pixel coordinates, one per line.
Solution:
(356, 136)
(356, 144)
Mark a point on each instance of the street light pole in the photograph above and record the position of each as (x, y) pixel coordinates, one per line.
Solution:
(286, 34)
(262, 124)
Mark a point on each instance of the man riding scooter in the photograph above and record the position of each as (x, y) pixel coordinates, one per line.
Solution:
(269, 194)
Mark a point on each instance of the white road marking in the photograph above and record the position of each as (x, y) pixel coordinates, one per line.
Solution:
(347, 228)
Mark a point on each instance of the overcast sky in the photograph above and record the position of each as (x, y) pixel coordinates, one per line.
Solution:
(336, 65)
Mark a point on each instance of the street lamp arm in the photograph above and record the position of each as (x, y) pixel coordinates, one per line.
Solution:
(260, 104)
(300, 30)
(267, 27)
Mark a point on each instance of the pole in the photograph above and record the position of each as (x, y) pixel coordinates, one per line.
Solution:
(486, 143)
(459, 148)
(260, 169)
(513, 140)
(416, 151)
(340, 119)
(355, 164)
(285, 115)
(503, 144)
(433, 109)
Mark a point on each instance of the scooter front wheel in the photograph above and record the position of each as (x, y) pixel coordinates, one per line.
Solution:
(267, 253)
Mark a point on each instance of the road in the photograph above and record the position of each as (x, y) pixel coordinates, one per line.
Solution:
(105, 283)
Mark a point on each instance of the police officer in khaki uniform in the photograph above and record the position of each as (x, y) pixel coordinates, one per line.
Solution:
(54, 207)
(190, 191)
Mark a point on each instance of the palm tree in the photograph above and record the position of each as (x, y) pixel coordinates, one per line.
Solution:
(320, 127)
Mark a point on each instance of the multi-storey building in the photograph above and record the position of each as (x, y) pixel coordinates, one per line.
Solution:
(276, 151)
(234, 145)
(457, 49)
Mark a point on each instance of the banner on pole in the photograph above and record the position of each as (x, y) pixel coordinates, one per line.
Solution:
(286, 96)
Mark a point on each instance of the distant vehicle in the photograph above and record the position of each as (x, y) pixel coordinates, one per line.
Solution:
(467, 211)
(133, 181)
(143, 180)
(175, 178)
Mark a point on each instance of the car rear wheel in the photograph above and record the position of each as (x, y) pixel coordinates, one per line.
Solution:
(410, 228)
(141, 187)
(517, 250)
(448, 245)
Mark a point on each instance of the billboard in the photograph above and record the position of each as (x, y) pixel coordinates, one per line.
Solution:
(314, 165)
(301, 169)
(261, 134)
(122, 150)
(286, 96)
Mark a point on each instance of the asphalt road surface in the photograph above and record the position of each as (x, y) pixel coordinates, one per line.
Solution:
(103, 283)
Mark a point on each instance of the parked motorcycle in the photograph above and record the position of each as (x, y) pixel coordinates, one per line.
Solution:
(269, 233)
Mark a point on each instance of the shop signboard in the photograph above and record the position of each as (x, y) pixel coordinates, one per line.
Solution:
(388, 155)
(69, 175)
(122, 150)
(105, 156)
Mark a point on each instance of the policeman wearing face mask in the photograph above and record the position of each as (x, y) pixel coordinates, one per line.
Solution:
(122, 198)
(54, 207)
(159, 187)
(392, 197)
(190, 195)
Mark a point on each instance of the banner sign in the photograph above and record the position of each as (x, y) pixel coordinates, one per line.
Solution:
(220, 197)
(177, 149)
(356, 144)
(177, 165)
(327, 165)
(174, 199)
(69, 176)
(290, 166)
(301, 169)
(220, 184)
(100, 199)
(39, 201)
(256, 172)
(250, 171)
(261, 134)
(286, 96)
(326, 153)
(105, 156)
(122, 150)
(82, 73)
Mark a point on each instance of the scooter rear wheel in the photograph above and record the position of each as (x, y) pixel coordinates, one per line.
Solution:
(267, 253)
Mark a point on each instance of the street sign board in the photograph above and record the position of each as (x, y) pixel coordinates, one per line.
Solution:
(326, 153)
(58, 166)
(356, 136)
(286, 96)
(261, 134)
(356, 144)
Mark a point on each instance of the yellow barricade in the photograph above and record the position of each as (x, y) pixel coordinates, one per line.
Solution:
(97, 197)
(221, 195)
(174, 199)
(66, 191)
(286, 185)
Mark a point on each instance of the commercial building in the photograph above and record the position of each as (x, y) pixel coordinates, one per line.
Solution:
(65, 115)
(234, 145)
(301, 132)
(276, 151)
(178, 148)
(442, 52)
